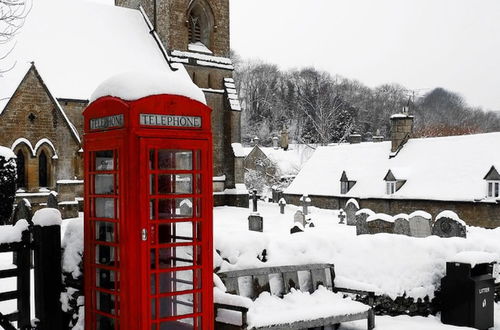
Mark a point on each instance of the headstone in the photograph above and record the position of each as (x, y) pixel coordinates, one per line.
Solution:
(448, 224)
(306, 201)
(299, 218)
(255, 222)
(22, 211)
(341, 217)
(282, 204)
(351, 207)
(254, 200)
(420, 224)
(380, 223)
(52, 201)
(276, 143)
(296, 229)
(361, 216)
(401, 224)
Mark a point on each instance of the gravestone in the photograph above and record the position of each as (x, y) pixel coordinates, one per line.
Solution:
(52, 201)
(361, 216)
(351, 207)
(306, 201)
(341, 217)
(282, 204)
(420, 224)
(296, 229)
(22, 211)
(255, 222)
(254, 200)
(299, 218)
(380, 223)
(448, 224)
(401, 224)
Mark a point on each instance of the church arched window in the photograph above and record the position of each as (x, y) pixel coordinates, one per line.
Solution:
(201, 23)
(43, 170)
(21, 169)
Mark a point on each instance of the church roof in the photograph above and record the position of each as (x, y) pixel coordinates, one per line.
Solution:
(77, 44)
(441, 168)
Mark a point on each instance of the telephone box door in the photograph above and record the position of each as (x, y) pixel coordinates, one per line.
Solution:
(176, 193)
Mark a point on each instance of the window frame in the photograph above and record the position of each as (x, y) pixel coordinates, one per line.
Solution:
(390, 187)
(493, 188)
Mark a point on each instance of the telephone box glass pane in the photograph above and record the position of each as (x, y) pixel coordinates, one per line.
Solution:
(179, 281)
(104, 160)
(105, 231)
(105, 255)
(177, 232)
(176, 305)
(175, 184)
(175, 208)
(105, 208)
(105, 279)
(175, 159)
(104, 184)
(105, 302)
(184, 324)
(176, 256)
(104, 323)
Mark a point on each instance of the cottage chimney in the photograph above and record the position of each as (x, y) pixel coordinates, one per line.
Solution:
(255, 141)
(284, 139)
(355, 138)
(401, 130)
(275, 143)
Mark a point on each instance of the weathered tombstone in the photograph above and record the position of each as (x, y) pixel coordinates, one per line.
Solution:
(52, 201)
(351, 207)
(361, 216)
(341, 217)
(255, 222)
(306, 201)
(401, 224)
(22, 211)
(254, 200)
(282, 204)
(448, 224)
(420, 224)
(299, 218)
(380, 223)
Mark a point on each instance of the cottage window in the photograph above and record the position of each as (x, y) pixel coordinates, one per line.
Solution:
(493, 189)
(344, 187)
(390, 187)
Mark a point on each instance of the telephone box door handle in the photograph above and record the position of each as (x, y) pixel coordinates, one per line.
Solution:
(144, 233)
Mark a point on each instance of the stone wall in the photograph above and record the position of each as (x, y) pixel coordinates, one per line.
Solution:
(485, 215)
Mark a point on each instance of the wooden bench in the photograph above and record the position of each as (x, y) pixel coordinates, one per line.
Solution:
(279, 281)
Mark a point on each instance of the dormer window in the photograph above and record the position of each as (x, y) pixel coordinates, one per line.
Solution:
(200, 24)
(493, 183)
(392, 184)
(345, 184)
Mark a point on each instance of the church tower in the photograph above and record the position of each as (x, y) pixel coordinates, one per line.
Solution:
(196, 34)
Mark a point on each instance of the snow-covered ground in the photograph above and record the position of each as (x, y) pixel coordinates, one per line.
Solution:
(386, 263)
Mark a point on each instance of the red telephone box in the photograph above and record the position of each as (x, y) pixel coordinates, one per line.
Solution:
(148, 214)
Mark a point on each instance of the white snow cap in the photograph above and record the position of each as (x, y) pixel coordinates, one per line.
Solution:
(11, 234)
(238, 150)
(7, 153)
(365, 211)
(352, 201)
(380, 216)
(47, 217)
(474, 257)
(135, 85)
(422, 214)
(451, 215)
(401, 216)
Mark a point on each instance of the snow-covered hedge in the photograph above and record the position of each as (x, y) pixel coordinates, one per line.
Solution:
(8, 177)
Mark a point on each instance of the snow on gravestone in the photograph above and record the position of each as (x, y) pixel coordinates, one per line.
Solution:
(448, 224)
(361, 216)
(420, 224)
(47, 217)
(380, 223)
(351, 207)
(401, 224)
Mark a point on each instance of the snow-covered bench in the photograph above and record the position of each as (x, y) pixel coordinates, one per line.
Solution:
(286, 297)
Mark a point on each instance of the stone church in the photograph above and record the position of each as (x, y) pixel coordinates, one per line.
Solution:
(64, 51)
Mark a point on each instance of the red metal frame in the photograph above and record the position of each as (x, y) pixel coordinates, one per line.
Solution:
(128, 183)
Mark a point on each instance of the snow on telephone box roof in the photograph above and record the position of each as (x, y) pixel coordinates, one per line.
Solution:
(441, 168)
(76, 45)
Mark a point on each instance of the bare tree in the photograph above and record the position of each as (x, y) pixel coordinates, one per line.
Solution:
(12, 16)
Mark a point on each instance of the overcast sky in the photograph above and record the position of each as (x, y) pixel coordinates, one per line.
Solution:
(420, 44)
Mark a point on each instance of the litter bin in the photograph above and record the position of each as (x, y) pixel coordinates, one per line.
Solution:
(468, 291)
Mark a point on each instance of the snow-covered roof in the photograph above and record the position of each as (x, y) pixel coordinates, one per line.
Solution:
(289, 161)
(441, 168)
(77, 44)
